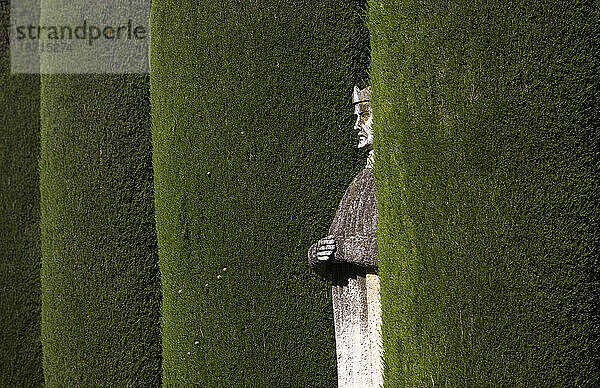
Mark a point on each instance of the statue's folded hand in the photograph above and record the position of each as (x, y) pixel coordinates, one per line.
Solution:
(320, 256)
(325, 248)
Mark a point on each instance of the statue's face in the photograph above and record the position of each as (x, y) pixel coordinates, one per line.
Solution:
(364, 121)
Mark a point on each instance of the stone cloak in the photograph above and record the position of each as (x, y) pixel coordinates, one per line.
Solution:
(355, 284)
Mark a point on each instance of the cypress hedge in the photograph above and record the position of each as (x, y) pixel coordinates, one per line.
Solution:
(487, 179)
(100, 277)
(253, 148)
(20, 295)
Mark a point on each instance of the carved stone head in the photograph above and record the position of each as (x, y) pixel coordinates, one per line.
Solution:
(364, 117)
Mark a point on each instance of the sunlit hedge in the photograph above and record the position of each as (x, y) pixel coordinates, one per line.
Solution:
(487, 180)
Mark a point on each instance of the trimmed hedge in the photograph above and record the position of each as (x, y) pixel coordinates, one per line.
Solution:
(487, 181)
(253, 148)
(100, 278)
(20, 295)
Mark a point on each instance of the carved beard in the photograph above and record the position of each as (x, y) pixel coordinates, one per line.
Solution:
(365, 138)
(363, 141)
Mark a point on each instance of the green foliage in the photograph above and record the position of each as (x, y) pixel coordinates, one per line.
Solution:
(487, 181)
(20, 296)
(100, 278)
(253, 148)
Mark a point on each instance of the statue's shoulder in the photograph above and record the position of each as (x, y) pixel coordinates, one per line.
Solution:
(362, 184)
(359, 198)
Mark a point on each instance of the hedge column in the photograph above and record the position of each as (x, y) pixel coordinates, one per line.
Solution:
(100, 279)
(487, 179)
(253, 147)
(20, 293)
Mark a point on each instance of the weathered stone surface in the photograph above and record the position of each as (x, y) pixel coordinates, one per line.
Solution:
(348, 257)
(374, 317)
(355, 224)
(354, 228)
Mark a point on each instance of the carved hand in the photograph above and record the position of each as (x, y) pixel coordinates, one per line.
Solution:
(325, 248)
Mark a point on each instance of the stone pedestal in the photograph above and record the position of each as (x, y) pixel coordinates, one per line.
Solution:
(357, 317)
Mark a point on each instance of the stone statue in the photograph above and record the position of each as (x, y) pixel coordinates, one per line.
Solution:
(348, 257)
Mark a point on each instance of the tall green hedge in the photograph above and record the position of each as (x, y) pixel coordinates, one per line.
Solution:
(100, 278)
(20, 296)
(253, 148)
(486, 141)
